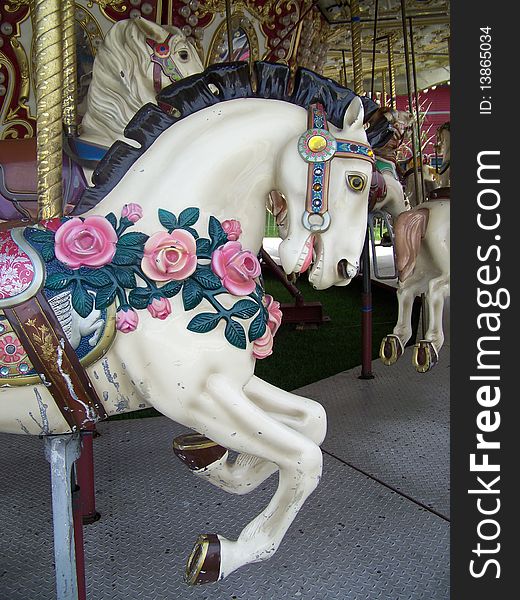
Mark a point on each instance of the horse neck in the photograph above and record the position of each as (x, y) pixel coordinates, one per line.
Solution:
(222, 160)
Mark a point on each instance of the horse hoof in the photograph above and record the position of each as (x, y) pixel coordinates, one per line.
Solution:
(424, 357)
(391, 349)
(203, 565)
(197, 451)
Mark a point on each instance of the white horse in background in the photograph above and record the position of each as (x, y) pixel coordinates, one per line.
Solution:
(191, 355)
(129, 73)
(422, 240)
(442, 147)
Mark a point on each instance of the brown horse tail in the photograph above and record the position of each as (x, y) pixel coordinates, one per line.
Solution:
(409, 230)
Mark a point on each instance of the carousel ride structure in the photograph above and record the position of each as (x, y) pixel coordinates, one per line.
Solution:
(176, 275)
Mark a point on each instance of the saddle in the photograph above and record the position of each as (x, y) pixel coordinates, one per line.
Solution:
(34, 347)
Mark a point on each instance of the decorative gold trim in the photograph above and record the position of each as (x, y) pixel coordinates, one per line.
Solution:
(186, 445)
(200, 550)
(238, 21)
(97, 353)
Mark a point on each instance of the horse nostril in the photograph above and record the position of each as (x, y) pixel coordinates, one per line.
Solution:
(345, 269)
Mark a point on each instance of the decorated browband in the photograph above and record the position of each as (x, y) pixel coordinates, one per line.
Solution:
(317, 146)
(163, 61)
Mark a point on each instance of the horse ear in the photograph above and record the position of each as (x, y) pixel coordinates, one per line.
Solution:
(151, 30)
(354, 114)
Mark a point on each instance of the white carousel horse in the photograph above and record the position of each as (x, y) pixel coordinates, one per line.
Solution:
(186, 288)
(137, 59)
(442, 146)
(422, 239)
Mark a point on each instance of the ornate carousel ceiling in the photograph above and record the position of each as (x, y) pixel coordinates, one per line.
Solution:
(311, 33)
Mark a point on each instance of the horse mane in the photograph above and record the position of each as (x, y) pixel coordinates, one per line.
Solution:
(409, 230)
(228, 81)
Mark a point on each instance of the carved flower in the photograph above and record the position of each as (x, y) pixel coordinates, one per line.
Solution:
(263, 346)
(85, 243)
(236, 268)
(11, 351)
(160, 308)
(132, 211)
(170, 256)
(126, 319)
(232, 229)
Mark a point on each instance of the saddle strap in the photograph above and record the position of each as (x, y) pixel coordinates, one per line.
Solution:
(54, 359)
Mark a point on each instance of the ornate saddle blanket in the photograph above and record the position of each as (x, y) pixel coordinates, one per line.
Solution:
(18, 186)
(22, 274)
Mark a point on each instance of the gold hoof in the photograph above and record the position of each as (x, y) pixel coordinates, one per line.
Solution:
(424, 356)
(203, 565)
(390, 350)
(197, 451)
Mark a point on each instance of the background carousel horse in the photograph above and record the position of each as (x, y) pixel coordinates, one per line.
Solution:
(442, 147)
(191, 314)
(136, 60)
(422, 240)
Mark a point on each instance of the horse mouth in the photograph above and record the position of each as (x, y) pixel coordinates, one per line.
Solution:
(306, 256)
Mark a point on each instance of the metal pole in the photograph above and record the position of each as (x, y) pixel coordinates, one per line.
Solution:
(383, 87)
(374, 53)
(228, 29)
(69, 70)
(357, 55)
(49, 77)
(418, 123)
(391, 69)
(410, 104)
(344, 68)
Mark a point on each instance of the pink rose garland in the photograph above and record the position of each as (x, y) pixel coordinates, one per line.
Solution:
(232, 229)
(160, 308)
(126, 320)
(170, 256)
(88, 243)
(236, 268)
(263, 346)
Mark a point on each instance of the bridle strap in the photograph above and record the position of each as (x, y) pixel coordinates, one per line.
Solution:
(317, 146)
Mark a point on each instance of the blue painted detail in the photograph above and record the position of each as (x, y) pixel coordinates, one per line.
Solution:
(89, 151)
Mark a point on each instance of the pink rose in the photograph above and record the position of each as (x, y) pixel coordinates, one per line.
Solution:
(88, 243)
(232, 229)
(236, 268)
(170, 256)
(133, 212)
(126, 319)
(160, 308)
(263, 346)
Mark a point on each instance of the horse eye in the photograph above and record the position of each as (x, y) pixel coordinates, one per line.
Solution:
(184, 55)
(356, 182)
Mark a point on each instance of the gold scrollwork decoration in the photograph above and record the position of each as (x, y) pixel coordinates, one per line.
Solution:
(14, 5)
(238, 22)
(262, 13)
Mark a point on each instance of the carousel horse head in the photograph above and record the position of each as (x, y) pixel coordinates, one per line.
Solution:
(137, 59)
(336, 165)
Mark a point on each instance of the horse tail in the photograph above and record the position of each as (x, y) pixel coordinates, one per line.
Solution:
(409, 230)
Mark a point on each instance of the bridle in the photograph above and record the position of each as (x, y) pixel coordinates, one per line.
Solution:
(317, 146)
(163, 62)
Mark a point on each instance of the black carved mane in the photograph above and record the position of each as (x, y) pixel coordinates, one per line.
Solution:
(231, 80)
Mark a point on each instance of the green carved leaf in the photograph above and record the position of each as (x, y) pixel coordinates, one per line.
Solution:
(207, 279)
(244, 309)
(82, 301)
(125, 277)
(134, 239)
(111, 218)
(203, 247)
(124, 257)
(167, 219)
(97, 278)
(257, 327)
(47, 252)
(189, 216)
(172, 288)
(216, 233)
(42, 235)
(105, 296)
(192, 294)
(140, 297)
(58, 281)
(204, 322)
(235, 334)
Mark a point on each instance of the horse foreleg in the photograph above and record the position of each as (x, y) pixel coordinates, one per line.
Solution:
(426, 352)
(242, 426)
(247, 472)
(392, 346)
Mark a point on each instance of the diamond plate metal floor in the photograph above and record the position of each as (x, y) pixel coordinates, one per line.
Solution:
(356, 539)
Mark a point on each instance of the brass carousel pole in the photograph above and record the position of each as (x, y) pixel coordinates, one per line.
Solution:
(70, 93)
(229, 30)
(383, 87)
(391, 69)
(417, 107)
(366, 309)
(49, 78)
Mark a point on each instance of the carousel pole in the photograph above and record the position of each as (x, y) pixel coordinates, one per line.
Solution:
(383, 87)
(229, 30)
(410, 103)
(374, 42)
(417, 120)
(366, 308)
(391, 69)
(61, 450)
